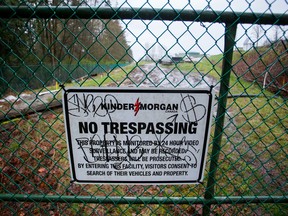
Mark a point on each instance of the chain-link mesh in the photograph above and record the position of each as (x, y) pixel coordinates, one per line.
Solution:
(48, 44)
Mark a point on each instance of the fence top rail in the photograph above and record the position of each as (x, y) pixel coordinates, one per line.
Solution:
(74, 12)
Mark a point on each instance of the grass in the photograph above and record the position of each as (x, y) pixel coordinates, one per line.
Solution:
(116, 76)
(253, 157)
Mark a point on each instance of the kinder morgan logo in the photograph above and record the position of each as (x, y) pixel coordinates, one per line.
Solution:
(137, 106)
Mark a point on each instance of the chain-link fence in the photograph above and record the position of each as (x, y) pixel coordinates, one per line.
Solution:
(239, 47)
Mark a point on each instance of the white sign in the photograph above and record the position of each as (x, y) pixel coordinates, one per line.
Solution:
(137, 136)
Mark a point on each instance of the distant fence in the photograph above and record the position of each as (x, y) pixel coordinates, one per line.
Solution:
(23, 77)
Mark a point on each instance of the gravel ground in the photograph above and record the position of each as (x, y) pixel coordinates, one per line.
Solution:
(150, 75)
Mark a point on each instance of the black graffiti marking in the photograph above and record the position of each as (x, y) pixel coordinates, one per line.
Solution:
(88, 147)
(83, 144)
(90, 104)
(193, 112)
(189, 157)
(93, 105)
(130, 154)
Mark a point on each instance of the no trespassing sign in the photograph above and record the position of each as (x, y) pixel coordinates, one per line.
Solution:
(137, 136)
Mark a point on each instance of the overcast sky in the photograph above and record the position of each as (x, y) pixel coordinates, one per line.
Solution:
(181, 37)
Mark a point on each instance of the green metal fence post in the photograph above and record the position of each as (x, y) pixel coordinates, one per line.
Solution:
(230, 34)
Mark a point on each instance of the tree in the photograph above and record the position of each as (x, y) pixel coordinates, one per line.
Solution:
(24, 42)
(16, 39)
(257, 32)
(112, 39)
(279, 32)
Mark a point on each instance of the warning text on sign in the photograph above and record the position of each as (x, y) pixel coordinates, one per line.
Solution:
(137, 136)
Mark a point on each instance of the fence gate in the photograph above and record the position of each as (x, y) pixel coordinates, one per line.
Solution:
(238, 48)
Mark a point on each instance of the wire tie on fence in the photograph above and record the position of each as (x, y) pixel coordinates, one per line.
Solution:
(62, 86)
(211, 88)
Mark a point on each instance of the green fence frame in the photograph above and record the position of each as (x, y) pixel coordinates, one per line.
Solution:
(231, 20)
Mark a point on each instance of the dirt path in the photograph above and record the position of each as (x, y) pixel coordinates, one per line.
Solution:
(152, 75)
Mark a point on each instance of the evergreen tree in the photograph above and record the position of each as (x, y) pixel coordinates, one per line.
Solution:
(16, 39)
(26, 42)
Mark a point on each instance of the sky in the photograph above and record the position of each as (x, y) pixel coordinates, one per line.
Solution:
(181, 37)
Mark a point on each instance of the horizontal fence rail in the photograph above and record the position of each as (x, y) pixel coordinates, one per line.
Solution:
(74, 12)
(144, 200)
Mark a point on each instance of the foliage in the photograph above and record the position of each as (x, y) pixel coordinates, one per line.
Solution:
(267, 66)
(39, 52)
